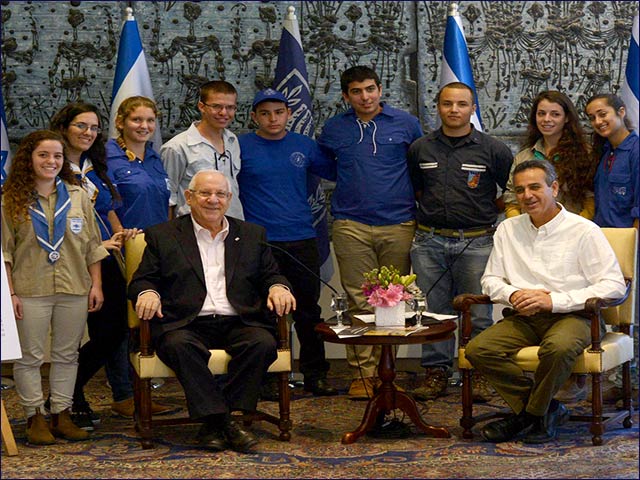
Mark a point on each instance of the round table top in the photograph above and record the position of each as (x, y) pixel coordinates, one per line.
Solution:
(432, 333)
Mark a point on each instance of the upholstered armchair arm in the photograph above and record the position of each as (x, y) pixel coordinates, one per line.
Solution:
(462, 303)
(594, 305)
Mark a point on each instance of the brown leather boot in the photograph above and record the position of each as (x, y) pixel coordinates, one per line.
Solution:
(63, 426)
(38, 432)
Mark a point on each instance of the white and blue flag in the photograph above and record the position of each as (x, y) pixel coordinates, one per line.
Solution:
(291, 79)
(132, 75)
(4, 143)
(456, 66)
(630, 90)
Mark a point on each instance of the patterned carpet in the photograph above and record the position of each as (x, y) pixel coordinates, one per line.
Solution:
(315, 450)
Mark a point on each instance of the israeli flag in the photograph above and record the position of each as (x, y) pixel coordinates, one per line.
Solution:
(630, 90)
(456, 66)
(132, 75)
(292, 80)
(4, 143)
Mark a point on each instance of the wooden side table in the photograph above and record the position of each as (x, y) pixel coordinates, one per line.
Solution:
(388, 398)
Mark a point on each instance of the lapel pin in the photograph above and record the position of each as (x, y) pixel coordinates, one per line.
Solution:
(237, 238)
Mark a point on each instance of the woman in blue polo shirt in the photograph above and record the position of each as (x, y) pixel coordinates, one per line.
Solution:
(617, 187)
(135, 167)
(136, 170)
(615, 148)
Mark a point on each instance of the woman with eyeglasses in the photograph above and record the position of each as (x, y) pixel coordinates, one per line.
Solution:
(52, 251)
(615, 151)
(135, 167)
(80, 124)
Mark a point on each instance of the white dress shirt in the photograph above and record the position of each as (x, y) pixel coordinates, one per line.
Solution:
(212, 256)
(569, 256)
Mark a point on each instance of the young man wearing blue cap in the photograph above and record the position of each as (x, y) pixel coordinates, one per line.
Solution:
(273, 192)
(206, 144)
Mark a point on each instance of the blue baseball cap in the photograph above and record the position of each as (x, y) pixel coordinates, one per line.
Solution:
(269, 95)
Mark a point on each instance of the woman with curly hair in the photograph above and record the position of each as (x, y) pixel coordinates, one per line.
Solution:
(49, 230)
(554, 133)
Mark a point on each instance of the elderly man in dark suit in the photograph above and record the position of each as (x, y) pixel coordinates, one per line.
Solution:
(206, 281)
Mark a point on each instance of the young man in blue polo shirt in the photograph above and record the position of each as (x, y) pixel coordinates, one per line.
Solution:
(373, 202)
(273, 192)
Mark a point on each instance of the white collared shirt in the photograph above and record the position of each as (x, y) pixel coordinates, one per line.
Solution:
(569, 256)
(189, 152)
(212, 256)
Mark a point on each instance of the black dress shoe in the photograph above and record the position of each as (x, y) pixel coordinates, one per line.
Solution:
(240, 440)
(545, 429)
(320, 388)
(211, 438)
(507, 428)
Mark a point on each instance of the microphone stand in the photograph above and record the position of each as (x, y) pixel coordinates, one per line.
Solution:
(293, 381)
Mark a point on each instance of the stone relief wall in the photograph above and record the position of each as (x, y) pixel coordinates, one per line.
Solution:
(54, 52)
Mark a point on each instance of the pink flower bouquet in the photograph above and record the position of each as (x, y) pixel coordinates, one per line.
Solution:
(385, 287)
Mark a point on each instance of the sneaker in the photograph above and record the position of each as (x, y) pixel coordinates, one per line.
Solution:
(573, 390)
(84, 408)
(83, 420)
(62, 426)
(38, 432)
(433, 386)
(362, 388)
(481, 389)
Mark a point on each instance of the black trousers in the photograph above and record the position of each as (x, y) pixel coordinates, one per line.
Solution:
(107, 328)
(306, 290)
(186, 352)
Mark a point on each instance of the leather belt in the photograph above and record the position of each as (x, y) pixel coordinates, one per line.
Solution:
(460, 233)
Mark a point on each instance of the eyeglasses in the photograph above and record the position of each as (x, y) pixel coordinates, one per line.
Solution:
(205, 194)
(216, 107)
(84, 127)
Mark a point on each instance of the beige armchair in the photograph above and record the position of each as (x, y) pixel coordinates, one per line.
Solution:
(147, 365)
(615, 349)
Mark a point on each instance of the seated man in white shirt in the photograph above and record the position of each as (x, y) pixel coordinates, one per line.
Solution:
(544, 265)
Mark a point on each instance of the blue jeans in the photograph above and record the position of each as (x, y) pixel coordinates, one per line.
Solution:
(118, 372)
(431, 255)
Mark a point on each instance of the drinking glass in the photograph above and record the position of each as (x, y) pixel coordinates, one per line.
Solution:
(419, 306)
(339, 305)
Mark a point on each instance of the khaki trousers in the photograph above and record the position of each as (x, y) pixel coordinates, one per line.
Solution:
(561, 337)
(359, 249)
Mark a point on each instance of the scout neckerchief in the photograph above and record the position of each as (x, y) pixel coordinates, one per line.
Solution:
(41, 225)
(81, 174)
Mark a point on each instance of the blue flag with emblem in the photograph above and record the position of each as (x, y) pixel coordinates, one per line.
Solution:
(4, 144)
(630, 90)
(291, 79)
(456, 65)
(132, 75)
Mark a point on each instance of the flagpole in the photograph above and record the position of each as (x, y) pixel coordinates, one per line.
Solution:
(630, 89)
(132, 75)
(456, 64)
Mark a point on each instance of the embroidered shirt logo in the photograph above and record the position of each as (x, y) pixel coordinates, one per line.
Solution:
(75, 225)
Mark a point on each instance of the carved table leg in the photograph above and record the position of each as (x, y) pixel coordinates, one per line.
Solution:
(389, 398)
